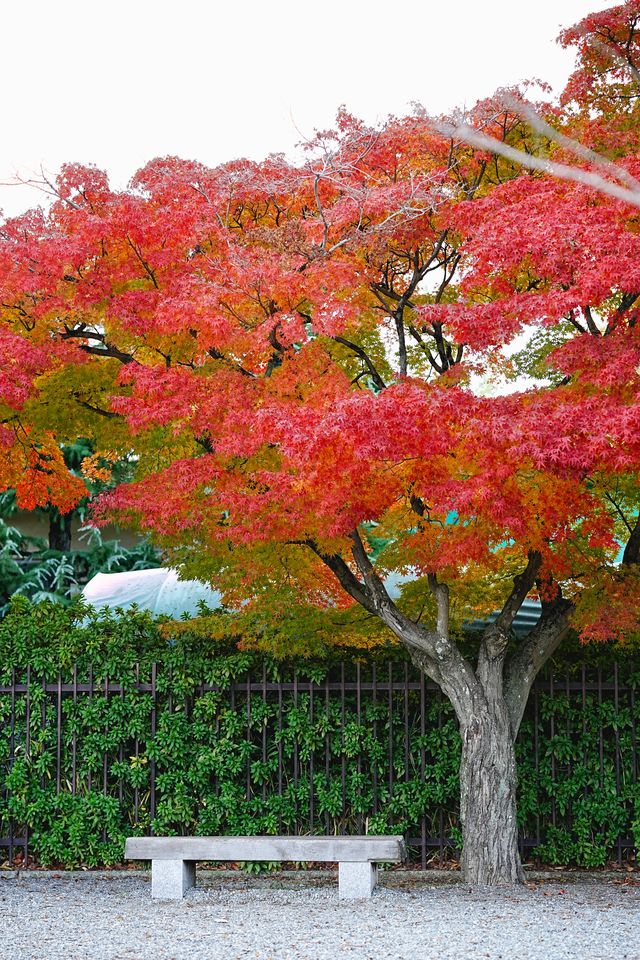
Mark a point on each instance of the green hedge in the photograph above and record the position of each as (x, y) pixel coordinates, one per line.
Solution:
(277, 762)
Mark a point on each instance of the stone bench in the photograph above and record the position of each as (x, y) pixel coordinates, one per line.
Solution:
(173, 859)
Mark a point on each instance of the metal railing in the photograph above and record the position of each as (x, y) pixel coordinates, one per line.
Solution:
(398, 706)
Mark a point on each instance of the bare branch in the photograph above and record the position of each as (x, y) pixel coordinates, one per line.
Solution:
(535, 121)
(560, 170)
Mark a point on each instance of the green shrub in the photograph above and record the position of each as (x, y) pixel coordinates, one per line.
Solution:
(298, 757)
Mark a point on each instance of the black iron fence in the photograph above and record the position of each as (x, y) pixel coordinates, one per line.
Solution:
(86, 761)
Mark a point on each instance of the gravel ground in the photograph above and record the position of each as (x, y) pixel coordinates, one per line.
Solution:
(230, 915)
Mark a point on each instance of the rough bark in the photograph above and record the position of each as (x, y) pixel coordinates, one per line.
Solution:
(488, 782)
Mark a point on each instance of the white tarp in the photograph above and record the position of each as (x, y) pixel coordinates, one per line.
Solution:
(158, 591)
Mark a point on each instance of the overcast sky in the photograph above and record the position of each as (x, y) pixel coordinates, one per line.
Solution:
(117, 83)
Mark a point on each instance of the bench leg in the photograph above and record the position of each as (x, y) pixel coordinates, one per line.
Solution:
(356, 880)
(170, 879)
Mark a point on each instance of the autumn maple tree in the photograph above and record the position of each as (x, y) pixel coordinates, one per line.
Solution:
(401, 355)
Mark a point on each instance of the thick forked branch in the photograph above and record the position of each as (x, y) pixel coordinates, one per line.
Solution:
(496, 635)
(372, 594)
(529, 658)
(437, 656)
(432, 650)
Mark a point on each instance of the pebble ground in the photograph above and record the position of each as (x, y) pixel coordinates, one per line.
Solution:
(277, 917)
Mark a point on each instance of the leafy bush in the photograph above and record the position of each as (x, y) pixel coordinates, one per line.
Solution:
(29, 569)
(146, 743)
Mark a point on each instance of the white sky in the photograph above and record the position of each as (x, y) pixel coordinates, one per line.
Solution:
(118, 83)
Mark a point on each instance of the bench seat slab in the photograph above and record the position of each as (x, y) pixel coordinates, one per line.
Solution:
(289, 849)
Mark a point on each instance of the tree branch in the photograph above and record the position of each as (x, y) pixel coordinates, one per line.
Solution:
(440, 592)
(216, 355)
(435, 644)
(560, 170)
(529, 658)
(375, 376)
(591, 324)
(402, 341)
(423, 346)
(143, 263)
(438, 656)
(376, 587)
(357, 591)
(107, 349)
(631, 553)
(496, 635)
(108, 414)
(573, 146)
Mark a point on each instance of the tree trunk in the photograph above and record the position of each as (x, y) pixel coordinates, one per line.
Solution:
(488, 781)
(60, 531)
(488, 701)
